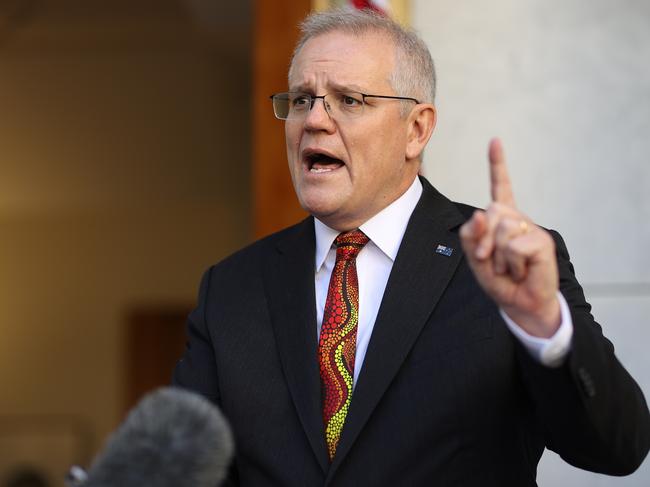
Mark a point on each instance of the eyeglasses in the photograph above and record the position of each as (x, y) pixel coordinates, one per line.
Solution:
(295, 105)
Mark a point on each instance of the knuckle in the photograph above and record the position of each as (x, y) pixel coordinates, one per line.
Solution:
(512, 247)
(512, 223)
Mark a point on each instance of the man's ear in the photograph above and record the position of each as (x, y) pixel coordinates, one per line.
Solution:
(421, 122)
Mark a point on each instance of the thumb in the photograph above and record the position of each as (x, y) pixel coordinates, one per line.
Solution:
(472, 231)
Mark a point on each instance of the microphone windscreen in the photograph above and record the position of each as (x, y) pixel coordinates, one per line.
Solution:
(172, 438)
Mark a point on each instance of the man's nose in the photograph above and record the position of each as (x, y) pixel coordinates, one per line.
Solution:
(318, 117)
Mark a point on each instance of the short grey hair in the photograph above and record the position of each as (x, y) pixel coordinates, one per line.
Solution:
(414, 74)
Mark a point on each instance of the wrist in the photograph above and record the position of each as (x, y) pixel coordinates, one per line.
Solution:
(543, 322)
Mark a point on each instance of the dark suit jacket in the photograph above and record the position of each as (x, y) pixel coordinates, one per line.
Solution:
(446, 395)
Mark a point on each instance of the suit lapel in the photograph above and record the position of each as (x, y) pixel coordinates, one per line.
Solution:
(417, 280)
(289, 279)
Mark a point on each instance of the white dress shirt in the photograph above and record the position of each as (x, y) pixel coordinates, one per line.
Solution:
(374, 263)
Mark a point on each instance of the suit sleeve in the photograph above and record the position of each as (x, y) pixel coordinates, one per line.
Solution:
(197, 369)
(592, 411)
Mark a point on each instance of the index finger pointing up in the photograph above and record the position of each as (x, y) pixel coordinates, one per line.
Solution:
(500, 186)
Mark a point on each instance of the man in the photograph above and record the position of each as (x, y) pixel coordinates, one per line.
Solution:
(395, 337)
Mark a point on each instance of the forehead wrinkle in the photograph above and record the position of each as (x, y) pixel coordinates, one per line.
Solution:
(324, 79)
(316, 69)
(330, 86)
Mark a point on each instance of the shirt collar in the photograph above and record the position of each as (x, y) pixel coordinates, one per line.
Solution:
(385, 229)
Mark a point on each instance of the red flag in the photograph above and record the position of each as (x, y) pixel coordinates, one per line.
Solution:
(367, 4)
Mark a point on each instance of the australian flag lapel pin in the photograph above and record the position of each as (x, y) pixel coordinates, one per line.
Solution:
(447, 251)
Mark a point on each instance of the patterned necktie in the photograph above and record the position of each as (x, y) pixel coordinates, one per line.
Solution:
(338, 336)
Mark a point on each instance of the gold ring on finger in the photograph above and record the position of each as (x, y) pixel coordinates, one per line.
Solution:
(523, 226)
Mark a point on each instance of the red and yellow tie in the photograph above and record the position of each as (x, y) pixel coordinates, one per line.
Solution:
(338, 336)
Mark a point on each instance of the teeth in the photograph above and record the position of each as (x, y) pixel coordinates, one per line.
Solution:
(321, 169)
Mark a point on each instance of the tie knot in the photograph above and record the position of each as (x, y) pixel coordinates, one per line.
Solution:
(349, 244)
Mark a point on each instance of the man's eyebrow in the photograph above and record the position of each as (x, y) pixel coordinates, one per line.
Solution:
(347, 87)
(331, 87)
(301, 88)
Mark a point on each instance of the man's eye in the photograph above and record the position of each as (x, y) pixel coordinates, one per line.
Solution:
(350, 101)
(301, 101)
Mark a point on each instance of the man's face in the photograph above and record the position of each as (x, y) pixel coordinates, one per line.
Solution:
(346, 171)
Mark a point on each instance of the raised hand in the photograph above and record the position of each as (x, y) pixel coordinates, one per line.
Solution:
(512, 258)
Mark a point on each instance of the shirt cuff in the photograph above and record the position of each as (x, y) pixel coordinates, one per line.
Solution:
(552, 351)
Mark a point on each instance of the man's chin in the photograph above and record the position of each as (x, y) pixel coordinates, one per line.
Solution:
(321, 211)
(334, 218)
(320, 200)
(329, 205)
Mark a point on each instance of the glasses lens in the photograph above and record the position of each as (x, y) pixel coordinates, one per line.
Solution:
(346, 104)
(281, 105)
(296, 105)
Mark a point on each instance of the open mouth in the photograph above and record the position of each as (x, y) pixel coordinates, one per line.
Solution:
(320, 162)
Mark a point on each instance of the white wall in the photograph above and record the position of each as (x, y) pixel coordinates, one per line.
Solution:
(566, 85)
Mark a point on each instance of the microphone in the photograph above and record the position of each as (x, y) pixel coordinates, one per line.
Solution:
(172, 438)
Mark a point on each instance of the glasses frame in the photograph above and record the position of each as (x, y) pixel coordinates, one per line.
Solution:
(313, 99)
